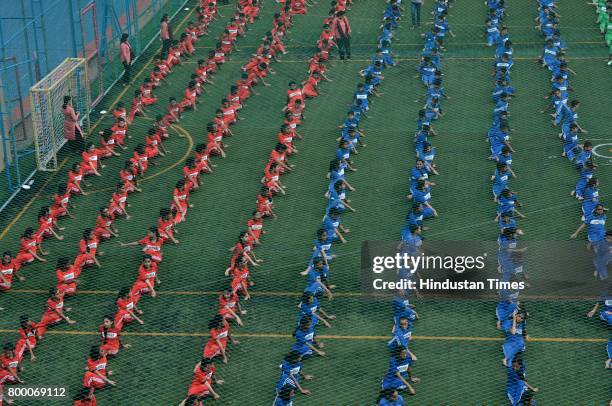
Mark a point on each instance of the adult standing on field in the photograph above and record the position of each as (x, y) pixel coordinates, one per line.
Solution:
(342, 34)
(415, 12)
(72, 130)
(165, 33)
(127, 56)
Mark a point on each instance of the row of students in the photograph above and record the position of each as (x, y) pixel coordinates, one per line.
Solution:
(128, 297)
(164, 231)
(311, 313)
(580, 154)
(511, 317)
(243, 255)
(399, 376)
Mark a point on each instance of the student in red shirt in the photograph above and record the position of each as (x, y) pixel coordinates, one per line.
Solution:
(141, 159)
(88, 247)
(222, 128)
(191, 174)
(146, 93)
(126, 309)
(75, 177)
(311, 84)
(174, 111)
(105, 227)
(265, 205)
(95, 372)
(119, 111)
(279, 155)
(61, 202)
(107, 144)
(271, 178)
(47, 225)
(154, 146)
(285, 137)
(89, 164)
(111, 343)
(255, 226)
(54, 312)
(151, 244)
(165, 226)
(219, 335)
(240, 278)
(9, 268)
(161, 126)
(118, 203)
(9, 362)
(120, 131)
(129, 178)
(136, 108)
(147, 279)
(27, 338)
(29, 246)
(180, 201)
(189, 100)
(201, 158)
(201, 384)
(67, 277)
(243, 249)
(215, 144)
(229, 306)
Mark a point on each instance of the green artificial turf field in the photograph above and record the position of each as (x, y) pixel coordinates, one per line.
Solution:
(456, 341)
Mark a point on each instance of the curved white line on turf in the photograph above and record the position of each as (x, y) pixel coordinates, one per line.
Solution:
(600, 155)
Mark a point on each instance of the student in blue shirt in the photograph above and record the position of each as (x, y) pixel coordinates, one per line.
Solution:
(421, 137)
(385, 49)
(504, 48)
(602, 259)
(310, 306)
(518, 390)
(291, 372)
(433, 111)
(498, 139)
(506, 306)
(422, 121)
(418, 172)
(337, 198)
(500, 179)
(584, 155)
(343, 153)
(501, 105)
(603, 308)
(505, 157)
(336, 172)
(305, 343)
(412, 241)
(491, 33)
(333, 227)
(595, 223)
(399, 374)
(426, 71)
(402, 333)
(422, 195)
(390, 397)
(362, 94)
(507, 201)
(586, 172)
(284, 396)
(515, 330)
(591, 196)
(501, 86)
(571, 141)
(506, 220)
(427, 155)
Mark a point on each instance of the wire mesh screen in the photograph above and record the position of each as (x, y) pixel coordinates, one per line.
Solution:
(158, 138)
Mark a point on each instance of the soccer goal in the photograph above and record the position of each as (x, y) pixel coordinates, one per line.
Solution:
(46, 97)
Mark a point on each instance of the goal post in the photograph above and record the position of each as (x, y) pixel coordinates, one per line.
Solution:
(46, 98)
